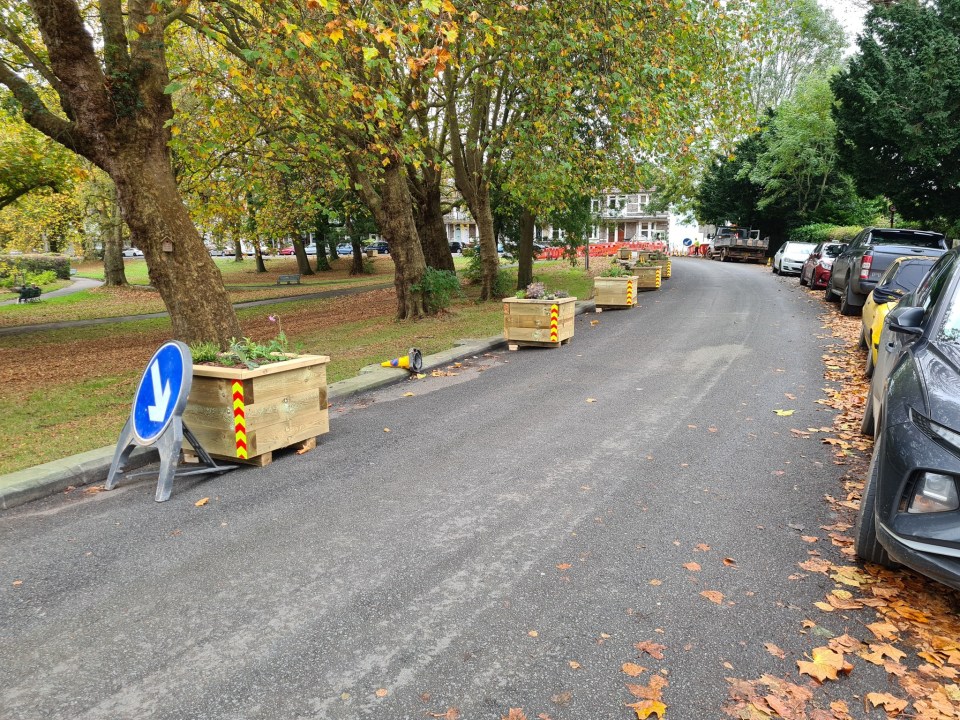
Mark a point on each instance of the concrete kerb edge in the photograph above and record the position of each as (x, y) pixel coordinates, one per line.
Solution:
(93, 466)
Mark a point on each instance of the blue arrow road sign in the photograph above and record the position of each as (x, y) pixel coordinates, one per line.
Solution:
(687, 242)
(163, 391)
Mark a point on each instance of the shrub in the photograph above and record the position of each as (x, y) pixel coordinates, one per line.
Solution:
(34, 264)
(438, 288)
(614, 271)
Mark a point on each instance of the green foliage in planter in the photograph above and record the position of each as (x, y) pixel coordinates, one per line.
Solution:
(537, 291)
(614, 271)
(205, 352)
(439, 287)
(244, 351)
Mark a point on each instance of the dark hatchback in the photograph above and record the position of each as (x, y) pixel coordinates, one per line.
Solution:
(910, 510)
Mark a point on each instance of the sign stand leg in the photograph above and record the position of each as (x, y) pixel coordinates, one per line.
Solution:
(125, 446)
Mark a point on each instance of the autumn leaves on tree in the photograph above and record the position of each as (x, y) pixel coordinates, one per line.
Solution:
(548, 102)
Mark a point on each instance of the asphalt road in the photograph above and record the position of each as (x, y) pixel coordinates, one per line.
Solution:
(530, 512)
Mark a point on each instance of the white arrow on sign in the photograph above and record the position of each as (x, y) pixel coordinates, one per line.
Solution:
(161, 395)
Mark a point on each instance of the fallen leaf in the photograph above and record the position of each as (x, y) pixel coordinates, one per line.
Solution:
(729, 562)
(713, 596)
(774, 650)
(692, 566)
(712, 429)
(650, 691)
(878, 652)
(382, 692)
(451, 714)
(890, 703)
(632, 669)
(784, 413)
(386, 429)
(651, 648)
(562, 698)
(702, 547)
(533, 633)
(809, 538)
(408, 394)
(514, 714)
(594, 322)
(17, 583)
(591, 400)
(656, 582)
(564, 566)
(201, 502)
(646, 708)
(790, 396)
(573, 664)
(826, 664)
(883, 630)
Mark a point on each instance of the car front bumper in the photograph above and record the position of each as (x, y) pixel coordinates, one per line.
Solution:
(791, 267)
(928, 543)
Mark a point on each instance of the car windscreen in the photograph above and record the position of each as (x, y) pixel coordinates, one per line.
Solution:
(798, 251)
(909, 274)
(906, 237)
(833, 250)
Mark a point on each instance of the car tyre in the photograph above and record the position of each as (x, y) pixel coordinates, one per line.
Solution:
(863, 344)
(868, 367)
(828, 294)
(846, 305)
(803, 280)
(865, 542)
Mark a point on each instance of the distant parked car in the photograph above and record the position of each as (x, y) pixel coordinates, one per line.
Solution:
(310, 249)
(288, 250)
(903, 276)
(910, 508)
(345, 249)
(380, 246)
(132, 252)
(218, 252)
(456, 246)
(816, 268)
(790, 257)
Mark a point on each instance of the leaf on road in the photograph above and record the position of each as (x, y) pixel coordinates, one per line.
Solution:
(382, 692)
(656, 582)
(651, 648)
(650, 691)
(514, 714)
(574, 665)
(533, 633)
(562, 698)
(784, 413)
(632, 669)
(17, 583)
(713, 596)
(774, 650)
(826, 665)
(790, 396)
(890, 703)
(702, 547)
(729, 562)
(692, 566)
(564, 566)
(883, 630)
(878, 652)
(202, 502)
(386, 429)
(646, 708)
(451, 714)
(591, 400)
(809, 538)
(408, 394)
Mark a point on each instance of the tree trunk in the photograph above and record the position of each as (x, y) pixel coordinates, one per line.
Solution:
(303, 262)
(525, 249)
(179, 265)
(392, 207)
(258, 256)
(238, 253)
(117, 115)
(322, 264)
(114, 273)
(489, 259)
(428, 214)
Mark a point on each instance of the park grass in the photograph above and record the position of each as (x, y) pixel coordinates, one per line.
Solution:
(69, 390)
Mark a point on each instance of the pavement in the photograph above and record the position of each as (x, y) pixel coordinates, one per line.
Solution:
(92, 467)
(78, 285)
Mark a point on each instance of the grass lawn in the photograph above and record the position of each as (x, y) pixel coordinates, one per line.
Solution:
(67, 391)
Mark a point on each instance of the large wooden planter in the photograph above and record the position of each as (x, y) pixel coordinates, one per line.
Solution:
(612, 292)
(648, 278)
(244, 415)
(544, 323)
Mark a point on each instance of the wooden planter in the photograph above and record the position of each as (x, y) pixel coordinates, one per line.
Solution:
(244, 415)
(648, 278)
(625, 253)
(610, 292)
(544, 323)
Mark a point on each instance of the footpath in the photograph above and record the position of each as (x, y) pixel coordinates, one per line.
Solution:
(93, 466)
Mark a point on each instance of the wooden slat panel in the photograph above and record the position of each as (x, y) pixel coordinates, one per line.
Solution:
(269, 387)
(280, 435)
(295, 361)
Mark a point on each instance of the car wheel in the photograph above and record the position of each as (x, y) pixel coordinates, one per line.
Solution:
(867, 425)
(803, 280)
(862, 343)
(846, 305)
(865, 542)
(869, 367)
(828, 294)
(773, 268)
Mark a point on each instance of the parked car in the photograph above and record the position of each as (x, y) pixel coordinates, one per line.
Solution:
(132, 252)
(456, 246)
(910, 509)
(859, 267)
(903, 276)
(790, 257)
(816, 268)
(288, 250)
(345, 248)
(217, 252)
(380, 246)
(310, 249)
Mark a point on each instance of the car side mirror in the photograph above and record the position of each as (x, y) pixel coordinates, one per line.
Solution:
(906, 320)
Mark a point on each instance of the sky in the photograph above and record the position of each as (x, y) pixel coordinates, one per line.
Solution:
(850, 13)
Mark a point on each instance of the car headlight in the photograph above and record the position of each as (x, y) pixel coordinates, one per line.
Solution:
(934, 492)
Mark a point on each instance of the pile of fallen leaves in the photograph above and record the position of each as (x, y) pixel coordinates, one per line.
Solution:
(916, 635)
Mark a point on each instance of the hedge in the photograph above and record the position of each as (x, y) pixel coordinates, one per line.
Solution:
(824, 232)
(34, 264)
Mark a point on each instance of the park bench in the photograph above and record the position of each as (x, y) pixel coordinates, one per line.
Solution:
(288, 279)
(29, 293)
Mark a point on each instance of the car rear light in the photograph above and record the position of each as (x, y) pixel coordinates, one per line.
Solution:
(935, 492)
(865, 265)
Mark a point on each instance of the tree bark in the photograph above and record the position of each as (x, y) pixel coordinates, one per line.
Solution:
(117, 115)
(303, 262)
(238, 251)
(525, 249)
(428, 214)
(323, 265)
(392, 207)
(258, 256)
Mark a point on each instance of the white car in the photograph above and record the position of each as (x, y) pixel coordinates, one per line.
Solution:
(132, 252)
(789, 259)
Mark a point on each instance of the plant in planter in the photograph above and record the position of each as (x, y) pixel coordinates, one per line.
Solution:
(663, 260)
(538, 317)
(648, 275)
(255, 398)
(615, 287)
